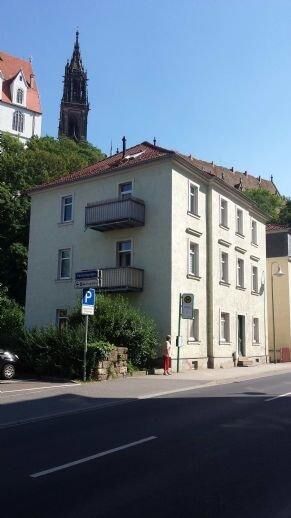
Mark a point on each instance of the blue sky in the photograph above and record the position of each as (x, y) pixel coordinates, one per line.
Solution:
(207, 77)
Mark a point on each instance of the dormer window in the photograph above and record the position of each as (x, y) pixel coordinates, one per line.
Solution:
(19, 96)
(18, 122)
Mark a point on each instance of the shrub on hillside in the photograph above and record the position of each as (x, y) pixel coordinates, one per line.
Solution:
(52, 352)
(118, 322)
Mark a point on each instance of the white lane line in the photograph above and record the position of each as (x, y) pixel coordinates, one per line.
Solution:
(92, 457)
(277, 397)
(174, 391)
(40, 388)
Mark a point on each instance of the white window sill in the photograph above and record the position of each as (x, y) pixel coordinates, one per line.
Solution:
(255, 293)
(225, 227)
(256, 343)
(242, 236)
(194, 277)
(255, 244)
(224, 343)
(65, 223)
(193, 215)
(242, 288)
(224, 283)
(191, 341)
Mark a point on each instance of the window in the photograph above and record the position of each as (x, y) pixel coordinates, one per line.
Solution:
(124, 254)
(223, 212)
(239, 222)
(125, 190)
(254, 232)
(19, 96)
(224, 327)
(224, 267)
(18, 122)
(256, 331)
(65, 264)
(240, 273)
(67, 208)
(255, 279)
(62, 319)
(194, 259)
(193, 198)
(193, 327)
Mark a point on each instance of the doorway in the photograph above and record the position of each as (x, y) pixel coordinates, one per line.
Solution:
(241, 335)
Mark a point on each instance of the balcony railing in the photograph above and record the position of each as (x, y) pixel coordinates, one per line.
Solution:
(121, 279)
(117, 213)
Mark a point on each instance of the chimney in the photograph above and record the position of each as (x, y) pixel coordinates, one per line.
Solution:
(231, 169)
(123, 146)
(246, 173)
(155, 141)
(32, 81)
(260, 179)
(272, 178)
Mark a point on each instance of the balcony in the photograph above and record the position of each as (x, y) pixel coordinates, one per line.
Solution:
(121, 280)
(113, 214)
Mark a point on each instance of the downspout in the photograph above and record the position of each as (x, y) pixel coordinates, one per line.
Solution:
(209, 277)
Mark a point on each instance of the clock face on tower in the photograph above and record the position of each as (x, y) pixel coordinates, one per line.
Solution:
(74, 105)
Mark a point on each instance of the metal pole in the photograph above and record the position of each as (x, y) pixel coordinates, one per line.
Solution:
(85, 348)
(273, 314)
(179, 330)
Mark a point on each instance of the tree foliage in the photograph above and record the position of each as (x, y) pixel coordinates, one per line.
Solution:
(122, 324)
(22, 167)
(269, 203)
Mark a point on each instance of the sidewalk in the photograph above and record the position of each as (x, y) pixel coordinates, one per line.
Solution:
(23, 402)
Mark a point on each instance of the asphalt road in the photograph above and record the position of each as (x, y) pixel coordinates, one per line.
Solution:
(221, 451)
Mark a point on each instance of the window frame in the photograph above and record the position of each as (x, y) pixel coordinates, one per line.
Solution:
(256, 331)
(223, 253)
(63, 206)
(60, 262)
(195, 255)
(119, 252)
(254, 231)
(239, 221)
(20, 94)
(240, 273)
(193, 324)
(255, 288)
(18, 121)
(224, 317)
(126, 194)
(193, 197)
(223, 213)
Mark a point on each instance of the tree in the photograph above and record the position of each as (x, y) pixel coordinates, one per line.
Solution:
(22, 167)
(269, 203)
(285, 212)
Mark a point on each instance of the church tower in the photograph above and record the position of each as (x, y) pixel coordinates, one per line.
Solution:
(74, 104)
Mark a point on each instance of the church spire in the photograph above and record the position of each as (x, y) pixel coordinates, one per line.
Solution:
(74, 105)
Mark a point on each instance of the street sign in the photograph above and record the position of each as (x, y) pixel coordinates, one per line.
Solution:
(88, 279)
(187, 306)
(88, 301)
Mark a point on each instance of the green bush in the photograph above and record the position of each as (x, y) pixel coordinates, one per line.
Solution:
(11, 317)
(118, 322)
(52, 352)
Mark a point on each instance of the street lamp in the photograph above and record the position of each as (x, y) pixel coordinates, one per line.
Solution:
(278, 273)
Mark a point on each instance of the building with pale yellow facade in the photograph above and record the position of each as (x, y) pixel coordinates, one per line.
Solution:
(156, 224)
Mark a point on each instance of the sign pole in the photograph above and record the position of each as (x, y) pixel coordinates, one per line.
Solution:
(179, 330)
(85, 348)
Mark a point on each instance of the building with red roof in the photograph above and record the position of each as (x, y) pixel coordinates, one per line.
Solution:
(20, 109)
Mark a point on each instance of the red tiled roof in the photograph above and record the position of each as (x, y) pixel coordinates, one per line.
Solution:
(135, 155)
(237, 179)
(276, 227)
(146, 152)
(10, 66)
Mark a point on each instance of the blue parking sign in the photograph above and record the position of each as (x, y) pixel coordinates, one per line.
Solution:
(88, 301)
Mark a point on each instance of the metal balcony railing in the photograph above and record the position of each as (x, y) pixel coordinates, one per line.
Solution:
(116, 213)
(121, 279)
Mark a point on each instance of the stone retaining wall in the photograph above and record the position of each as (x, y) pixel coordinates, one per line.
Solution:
(114, 366)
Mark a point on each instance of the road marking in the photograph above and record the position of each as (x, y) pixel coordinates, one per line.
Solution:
(174, 391)
(92, 457)
(277, 397)
(40, 388)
